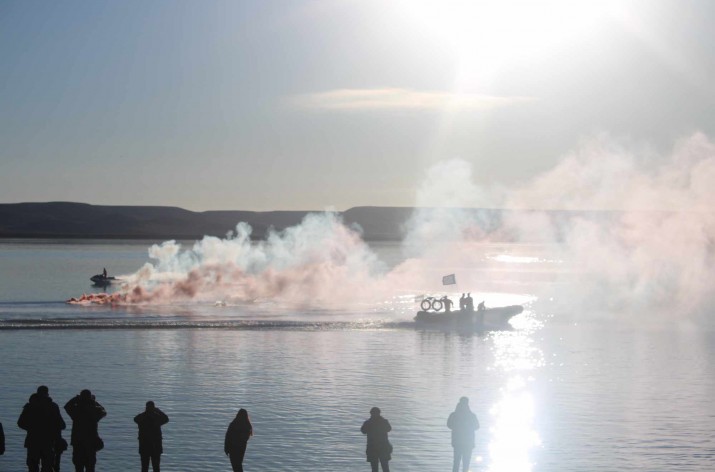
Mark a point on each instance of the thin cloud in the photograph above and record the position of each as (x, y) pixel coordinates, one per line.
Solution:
(401, 99)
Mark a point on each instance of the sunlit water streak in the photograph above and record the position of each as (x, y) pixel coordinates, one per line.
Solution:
(513, 434)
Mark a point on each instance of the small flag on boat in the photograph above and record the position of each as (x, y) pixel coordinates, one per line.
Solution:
(449, 279)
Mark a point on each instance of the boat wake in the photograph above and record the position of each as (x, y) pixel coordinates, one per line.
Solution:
(124, 324)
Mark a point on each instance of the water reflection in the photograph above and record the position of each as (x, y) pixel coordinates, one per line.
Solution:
(516, 259)
(513, 434)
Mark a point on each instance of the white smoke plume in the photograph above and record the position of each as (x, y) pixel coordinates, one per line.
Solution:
(317, 262)
(639, 238)
(625, 230)
(655, 255)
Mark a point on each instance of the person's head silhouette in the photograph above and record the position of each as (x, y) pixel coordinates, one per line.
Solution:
(85, 396)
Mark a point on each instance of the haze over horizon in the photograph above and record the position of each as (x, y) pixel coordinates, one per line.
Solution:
(298, 105)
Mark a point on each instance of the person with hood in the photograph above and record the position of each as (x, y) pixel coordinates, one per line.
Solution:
(85, 412)
(237, 435)
(379, 449)
(150, 439)
(463, 424)
(42, 420)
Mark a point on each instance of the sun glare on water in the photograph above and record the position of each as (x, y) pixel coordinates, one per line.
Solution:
(513, 436)
(513, 417)
(516, 259)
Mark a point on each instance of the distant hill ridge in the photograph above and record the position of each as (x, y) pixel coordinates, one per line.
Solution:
(57, 220)
(82, 220)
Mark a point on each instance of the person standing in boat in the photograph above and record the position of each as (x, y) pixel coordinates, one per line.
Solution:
(469, 302)
(379, 449)
(463, 424)
(104, 272)
(447, 304)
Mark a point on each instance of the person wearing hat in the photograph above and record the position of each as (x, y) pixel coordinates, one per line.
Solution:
(379, 449)
(463, 424)
(42, 420)
(85, 412)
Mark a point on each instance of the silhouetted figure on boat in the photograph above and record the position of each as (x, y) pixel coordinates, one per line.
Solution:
(469, 303)
(238, 433)
(2, 440)
(447, 304)
(462, 302)
(481, 306)
(42, 420)
(150, 439)
(85, 412)
(379, 449)
(463, 424)
(104, 272)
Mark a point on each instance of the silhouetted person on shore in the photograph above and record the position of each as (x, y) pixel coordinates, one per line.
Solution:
(237, 435)
(462, 302)
(60, 447)
(42, 420)
(150, 439)
(85, 412)
(481, 306)
(379, 448)
(463, 424)
(2, 440)
(469, 303)
(447, 304)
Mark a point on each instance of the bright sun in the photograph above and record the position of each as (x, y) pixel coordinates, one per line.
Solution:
(484, 35)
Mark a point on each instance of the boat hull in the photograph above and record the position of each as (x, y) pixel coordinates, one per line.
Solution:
(489, 319)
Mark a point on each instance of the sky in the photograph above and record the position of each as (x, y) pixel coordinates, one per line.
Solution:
(307, 105)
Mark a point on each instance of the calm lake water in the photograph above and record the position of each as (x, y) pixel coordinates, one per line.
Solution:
(556, 393)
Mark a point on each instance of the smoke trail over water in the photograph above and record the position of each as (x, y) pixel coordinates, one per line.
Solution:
(637, 237)
(317, 262)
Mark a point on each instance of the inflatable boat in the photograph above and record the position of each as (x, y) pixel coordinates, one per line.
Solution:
(479, 320)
